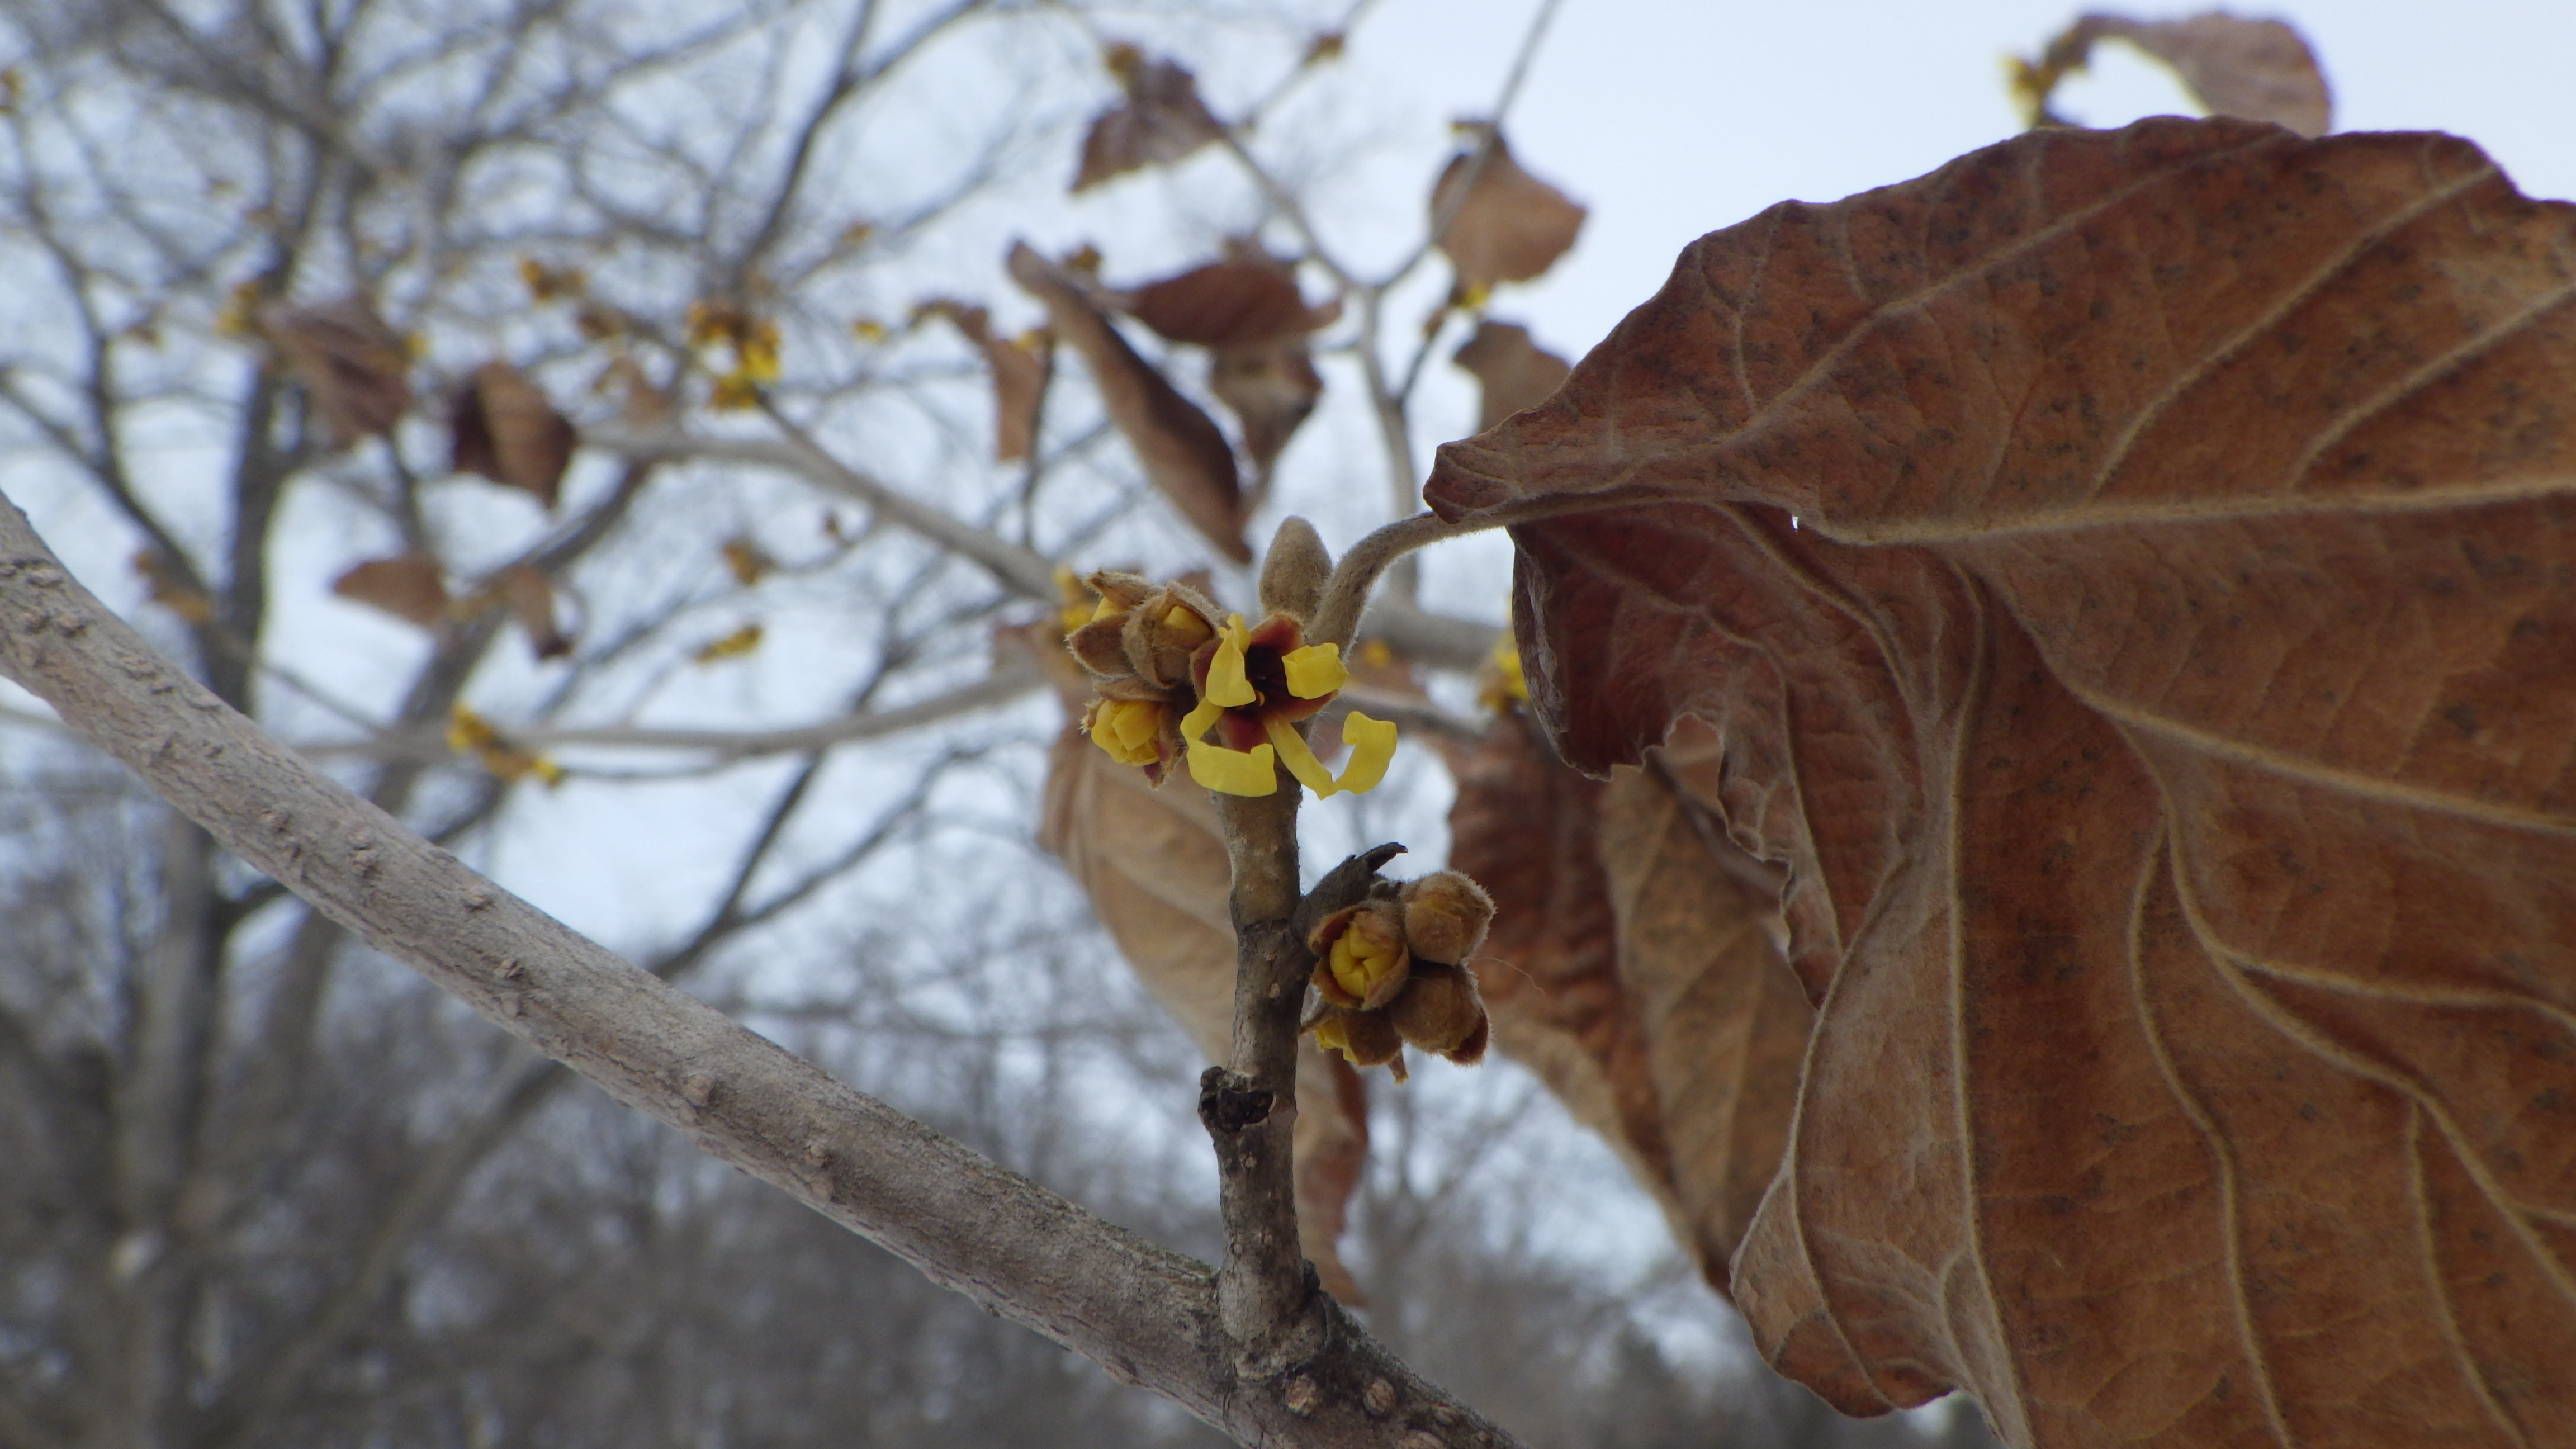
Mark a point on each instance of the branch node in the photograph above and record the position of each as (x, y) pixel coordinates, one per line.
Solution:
(1229, 1103)
(1301, 1397)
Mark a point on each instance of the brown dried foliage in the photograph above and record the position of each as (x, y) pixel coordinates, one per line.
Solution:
(353, 367)
(1019, 376)
(2133, 578)
(1247, 311)
(1181, 450)
(408, 586)
(531, 599)
(1528, 830)
(1512, 372)
(2259, 70)
(1507, 225)
(1631, 966)
(1161, 121)
(501, 425)
(1243, 300)
(1154, 867)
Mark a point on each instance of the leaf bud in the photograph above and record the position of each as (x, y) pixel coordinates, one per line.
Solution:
(1445, 916)
(1294, 571)
(1360, 955)
(1441, 1012)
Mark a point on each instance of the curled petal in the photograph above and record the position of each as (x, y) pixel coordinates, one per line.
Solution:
(1315, 671)
(1372, 746)
(1371, 743)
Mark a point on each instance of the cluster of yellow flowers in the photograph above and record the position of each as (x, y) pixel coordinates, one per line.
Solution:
(754, 341)
(1392, 972)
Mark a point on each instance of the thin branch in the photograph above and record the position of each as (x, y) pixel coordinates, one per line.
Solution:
(724, 746)
(1022, 571)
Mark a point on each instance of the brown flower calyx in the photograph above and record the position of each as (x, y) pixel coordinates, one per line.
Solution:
(1168, 674)
(1390, 972)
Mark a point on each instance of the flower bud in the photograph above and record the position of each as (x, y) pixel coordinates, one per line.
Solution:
(1360, 955)
(1445, 916)
(1364, 1038)
(1441, 1012)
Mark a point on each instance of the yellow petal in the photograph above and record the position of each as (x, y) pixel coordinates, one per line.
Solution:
(1226, 684)
(1300, 760)
(1315, 671)
(1331, 1035)
(1372, 746)
(1186, 626)
(1233, 772)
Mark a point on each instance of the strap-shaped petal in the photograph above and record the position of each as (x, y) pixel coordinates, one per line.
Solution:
(1227, 684)
(1372, 746)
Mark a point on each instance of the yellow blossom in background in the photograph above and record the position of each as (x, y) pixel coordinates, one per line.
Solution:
(740, 642)
(469, 733)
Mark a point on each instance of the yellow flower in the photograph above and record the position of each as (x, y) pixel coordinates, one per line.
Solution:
(1294, 680)
(1127, 730)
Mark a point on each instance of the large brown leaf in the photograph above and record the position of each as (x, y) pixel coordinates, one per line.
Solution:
(1154, 867)
(1725, 1022)
(1633, 973)
(1528, 830)
(2133, 578)
(1181, 451)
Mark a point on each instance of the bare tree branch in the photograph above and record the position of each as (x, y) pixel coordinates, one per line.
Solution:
(1147, 1315)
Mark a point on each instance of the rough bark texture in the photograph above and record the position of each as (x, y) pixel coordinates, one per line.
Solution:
(1145, 1314)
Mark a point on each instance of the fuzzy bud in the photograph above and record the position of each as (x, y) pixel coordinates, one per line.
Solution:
(1441, 1012)
(1364, 1038)
(1445, 916)
(1294, 571)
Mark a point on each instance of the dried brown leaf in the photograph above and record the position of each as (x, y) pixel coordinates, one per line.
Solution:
(1161, 121)
(2260, 70)
(1270, 388)
(353, 367)
(1244, 300)
(2133, 577)
(501, 425)
(1508, 226)
(1514, 372)
(409, 587)
(1725, 1021)
(1183, 453)
(1019, 369)
(1528, 830)
(531, 597)
(1154, 867)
